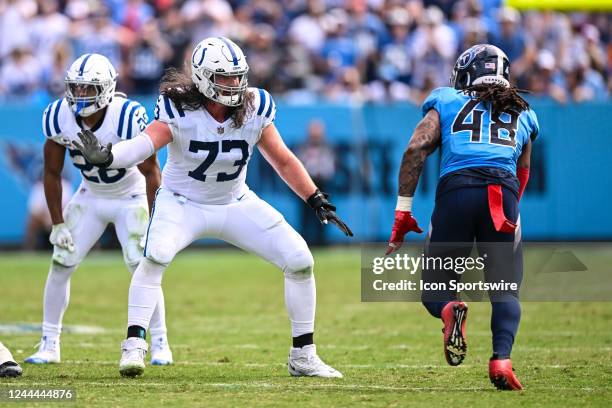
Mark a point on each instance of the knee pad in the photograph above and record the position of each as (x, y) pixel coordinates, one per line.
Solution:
(299, 266)
(160, 252)
(65, 258)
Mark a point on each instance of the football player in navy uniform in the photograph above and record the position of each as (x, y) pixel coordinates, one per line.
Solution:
(485, 130)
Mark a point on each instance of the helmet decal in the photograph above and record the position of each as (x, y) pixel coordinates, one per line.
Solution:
(82, 67)
(231, 50)
(468, 56)
(195, 52)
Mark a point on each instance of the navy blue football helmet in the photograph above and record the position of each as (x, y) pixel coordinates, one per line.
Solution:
(481, 64)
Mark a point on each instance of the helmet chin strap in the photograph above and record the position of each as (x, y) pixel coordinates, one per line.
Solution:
(492, 80)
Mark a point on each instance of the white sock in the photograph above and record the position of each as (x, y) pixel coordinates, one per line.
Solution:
(56, 298)
(301, 300)
(158, 319)
(145, 293)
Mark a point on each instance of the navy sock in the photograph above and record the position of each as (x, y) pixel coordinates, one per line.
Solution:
(137, 331)
(435, 308)
(505, 318)
(303, 340)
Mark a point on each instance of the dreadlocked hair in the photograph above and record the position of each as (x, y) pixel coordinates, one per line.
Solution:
(501, 98)
(179, 87)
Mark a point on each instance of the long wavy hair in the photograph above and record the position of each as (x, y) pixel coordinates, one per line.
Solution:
(179, 87)
(500, 98)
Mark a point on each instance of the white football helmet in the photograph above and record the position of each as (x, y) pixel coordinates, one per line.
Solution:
(90, 84)
(218, 56)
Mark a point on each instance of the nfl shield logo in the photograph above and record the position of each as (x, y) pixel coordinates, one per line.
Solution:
(220, 130)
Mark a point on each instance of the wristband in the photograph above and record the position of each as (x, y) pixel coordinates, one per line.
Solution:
(404, 203)
(316, 199)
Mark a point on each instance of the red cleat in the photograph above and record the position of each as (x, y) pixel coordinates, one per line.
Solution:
(454, 316)
(502, 375)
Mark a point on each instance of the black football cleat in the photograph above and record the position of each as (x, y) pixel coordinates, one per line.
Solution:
(502, 375)
(10, 369)
(454, 316)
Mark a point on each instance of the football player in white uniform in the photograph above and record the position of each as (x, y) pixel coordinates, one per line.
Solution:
(8, 365)
(211, 123)
(105, 196)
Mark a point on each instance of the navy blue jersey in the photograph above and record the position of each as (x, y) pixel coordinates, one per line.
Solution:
(473, 137)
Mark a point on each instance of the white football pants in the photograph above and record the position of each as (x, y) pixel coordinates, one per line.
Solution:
(248, 223)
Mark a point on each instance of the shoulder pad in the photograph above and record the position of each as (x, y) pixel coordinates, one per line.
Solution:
(437, 97)
(52, 117)
(133, 119)
(264, 104)
(166, 110)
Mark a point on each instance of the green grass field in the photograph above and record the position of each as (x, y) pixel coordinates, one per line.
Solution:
(230, 338)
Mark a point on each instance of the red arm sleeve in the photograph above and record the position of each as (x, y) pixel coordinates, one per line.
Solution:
(522, 174)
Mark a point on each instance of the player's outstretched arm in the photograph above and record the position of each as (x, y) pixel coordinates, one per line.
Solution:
(292, 171)
(285, 163)
(125, 154)
(424, 140)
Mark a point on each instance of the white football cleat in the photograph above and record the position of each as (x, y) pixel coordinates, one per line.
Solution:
(305, 362)
(133, 352)
(48, 352)
(160, 351)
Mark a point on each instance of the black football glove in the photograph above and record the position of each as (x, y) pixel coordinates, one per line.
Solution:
(326, 212)
(93, 151)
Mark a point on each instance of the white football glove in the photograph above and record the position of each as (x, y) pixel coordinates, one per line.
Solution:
(61, 236)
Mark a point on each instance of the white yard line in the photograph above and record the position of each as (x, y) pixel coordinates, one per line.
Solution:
(356, 366)
(301, 385)
(543, 348)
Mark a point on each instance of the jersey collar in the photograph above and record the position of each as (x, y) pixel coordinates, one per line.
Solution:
(213, 125)
(96, 126)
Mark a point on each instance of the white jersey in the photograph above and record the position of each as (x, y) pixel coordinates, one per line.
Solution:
(123, 120)
(207, 160)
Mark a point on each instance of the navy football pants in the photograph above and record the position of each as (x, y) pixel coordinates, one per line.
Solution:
(460, 218)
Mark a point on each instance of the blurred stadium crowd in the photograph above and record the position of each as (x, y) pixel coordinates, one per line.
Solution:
(343, 50)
